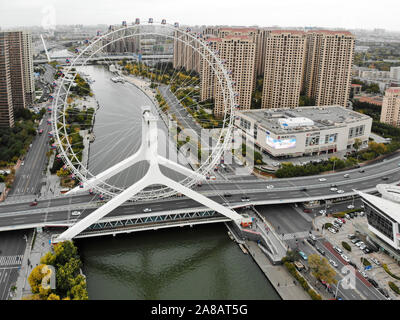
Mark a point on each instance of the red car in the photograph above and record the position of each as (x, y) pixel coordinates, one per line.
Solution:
(34, 203)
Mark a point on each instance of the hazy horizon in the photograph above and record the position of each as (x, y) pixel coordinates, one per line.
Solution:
(308, 13)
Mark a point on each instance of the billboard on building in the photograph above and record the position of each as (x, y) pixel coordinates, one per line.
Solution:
(281, 143)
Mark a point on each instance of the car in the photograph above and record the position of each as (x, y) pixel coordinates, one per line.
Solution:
(320, 250)
(146, 210)
(373, 282)
(362, 214)
(336, 225)
(213, 178)
(337, 249)
(245, 199)
(346, 175)
(303, 255)
(227, 195)
(22, 163)
(322, 179)
(355, 240)
(351, 236)
(367, 250)
(33, 203)
(385, 178)
(270, 186)
(363, 246)
(374, 260)
(350, 206)
(312, 237)
(338, 221)
(384, 292)
(322, 211)
(361, 171)
(332, 230)
(364, 274)
(311, 241)
(347, 216)
(340, 191)
(334, 189)
(360, 243)
(333, 185)
(351, 214)
(333, 263)
(345, 258)
(75, 213)
(303, 189)
(307, 211)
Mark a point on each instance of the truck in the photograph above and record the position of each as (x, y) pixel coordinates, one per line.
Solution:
(247, 221)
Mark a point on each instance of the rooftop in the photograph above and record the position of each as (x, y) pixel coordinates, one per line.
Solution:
(285, 120)
(388, 207)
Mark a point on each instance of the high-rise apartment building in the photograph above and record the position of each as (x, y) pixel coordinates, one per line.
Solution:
(239, 54)
(27, 57)
(329, 60)
(390, 112)
(283, 68)
(6, 106)
(207, 74)
(16, 58)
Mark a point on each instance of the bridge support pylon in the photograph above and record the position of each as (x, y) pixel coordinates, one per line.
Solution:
(154, 176)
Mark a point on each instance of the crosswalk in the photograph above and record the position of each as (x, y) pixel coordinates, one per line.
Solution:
(297, 235)
(10, 260)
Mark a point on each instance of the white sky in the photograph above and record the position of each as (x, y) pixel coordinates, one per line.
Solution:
(365, 14)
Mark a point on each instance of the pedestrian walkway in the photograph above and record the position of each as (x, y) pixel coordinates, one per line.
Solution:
(31, 259)
(10, 260)
(296, 235)
(280, 278)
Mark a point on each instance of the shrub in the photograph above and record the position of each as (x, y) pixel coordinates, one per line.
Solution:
(346, 246)
(365, 262)
(327, 225)
(389, 272)
(393, 286)
(314, 295)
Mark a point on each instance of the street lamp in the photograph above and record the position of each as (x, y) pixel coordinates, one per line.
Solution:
(337, 287)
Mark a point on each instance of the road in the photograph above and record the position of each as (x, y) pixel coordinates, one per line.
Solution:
(12, 248)
(29, 176)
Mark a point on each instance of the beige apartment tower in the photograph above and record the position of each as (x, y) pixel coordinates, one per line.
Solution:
(283, 68)
(239, 55)
(329, 60)
(390, 112)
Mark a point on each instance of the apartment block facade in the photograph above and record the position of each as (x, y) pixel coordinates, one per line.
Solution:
(390, 112)
(329, 61)
(6, 104)
(283, 68)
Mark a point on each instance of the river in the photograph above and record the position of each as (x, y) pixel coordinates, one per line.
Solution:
(179, 263)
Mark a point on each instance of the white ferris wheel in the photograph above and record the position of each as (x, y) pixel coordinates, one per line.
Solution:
(117, 133)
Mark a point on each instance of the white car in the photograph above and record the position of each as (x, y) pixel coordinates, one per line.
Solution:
(333, 263)
(322, 211)
(364, 274)
(337, 249)
(312, 237)
(358, 244)
(334, 189)
(376, 261)
(270, 186)
(363, 246)
(322, 179)
(22, 163)
(146, 210)
(345, 258)
(340, 191)
(332, 230)
(350, 206)
(75, 213)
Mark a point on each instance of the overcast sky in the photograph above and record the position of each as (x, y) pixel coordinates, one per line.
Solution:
(350, 14)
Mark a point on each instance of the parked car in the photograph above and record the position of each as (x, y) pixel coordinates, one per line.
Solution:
(332, 230)
(355, 240)
(367, 250)
(351, 236)
(336, 225)
(340, 191)
(311, 241)
(374, 260)
(245, 199)
(320, 250)
(373, 282)
(363, 246)
(360, 243)
(346, 175)
(361, 171)
(322, 179)
(384, 292)
(364, 274)
(385, 178)
(350, 206)
(338, 249)
(312, 236)
(333, 189)
(270, 186)
(345, 258)
(33, 203)
(307, 211)
(347, 216)
(322, 211)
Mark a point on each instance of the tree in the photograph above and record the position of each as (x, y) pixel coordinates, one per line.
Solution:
(321, 269)
(357, 144)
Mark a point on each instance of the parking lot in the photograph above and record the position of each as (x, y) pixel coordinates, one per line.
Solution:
(348, 232)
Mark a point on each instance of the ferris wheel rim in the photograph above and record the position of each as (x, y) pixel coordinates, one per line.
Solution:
(215, 154)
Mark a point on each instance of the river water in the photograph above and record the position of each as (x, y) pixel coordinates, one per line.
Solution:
(179, 263)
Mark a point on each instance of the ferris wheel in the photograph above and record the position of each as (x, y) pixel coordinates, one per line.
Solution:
(136, 61)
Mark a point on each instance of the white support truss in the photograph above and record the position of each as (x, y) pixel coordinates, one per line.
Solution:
(154, 176)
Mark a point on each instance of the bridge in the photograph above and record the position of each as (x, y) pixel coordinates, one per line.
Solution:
(101, 58)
